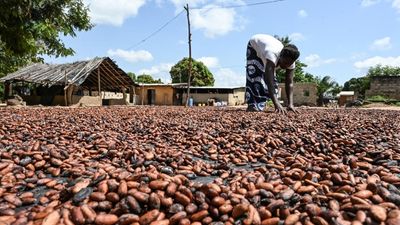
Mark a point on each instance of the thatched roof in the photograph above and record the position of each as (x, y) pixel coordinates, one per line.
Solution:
(81, 73)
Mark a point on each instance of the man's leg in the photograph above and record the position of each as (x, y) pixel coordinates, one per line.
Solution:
(256, 91)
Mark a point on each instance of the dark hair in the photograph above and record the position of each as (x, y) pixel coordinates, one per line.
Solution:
(290, 51)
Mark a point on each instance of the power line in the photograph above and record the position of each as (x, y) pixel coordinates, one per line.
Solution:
(199, 8)
(157, 31)
(239, 6)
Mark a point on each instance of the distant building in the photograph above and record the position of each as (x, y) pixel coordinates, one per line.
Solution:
(230, 96)
(345, 97)
(92, 82)
(303, 94)
(158, 94)
(175, 94)
(388, 86)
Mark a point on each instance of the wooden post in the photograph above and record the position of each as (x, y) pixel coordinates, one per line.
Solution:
(131, 95)
(7, 90)
(190, 55)
(65, 88)
(142, 93)
(99, 85)
(124, 95)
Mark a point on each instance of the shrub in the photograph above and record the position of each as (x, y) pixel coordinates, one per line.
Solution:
(377, 98)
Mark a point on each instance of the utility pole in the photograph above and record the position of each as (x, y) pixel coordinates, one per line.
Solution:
(190, 55)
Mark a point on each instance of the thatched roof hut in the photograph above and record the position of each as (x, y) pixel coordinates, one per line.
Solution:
(81, 73)
(98, 74)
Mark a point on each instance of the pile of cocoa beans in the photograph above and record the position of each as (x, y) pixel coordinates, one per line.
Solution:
(182, 166)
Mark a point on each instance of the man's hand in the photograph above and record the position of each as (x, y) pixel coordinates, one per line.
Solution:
(279, 109)
(291, 108)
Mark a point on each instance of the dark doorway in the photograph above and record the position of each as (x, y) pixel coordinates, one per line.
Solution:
(151, 96)
(178, 93)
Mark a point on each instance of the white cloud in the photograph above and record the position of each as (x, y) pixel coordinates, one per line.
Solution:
(113, 12)
(296, 37)
(315, 60)
(131, 56)
(381, 44)
(226, 77)
(205, 19)
(302, 13)
(160, 71)
(366, 3)
(210, 62)
(396, 5)
(376, 60)
(211, 17)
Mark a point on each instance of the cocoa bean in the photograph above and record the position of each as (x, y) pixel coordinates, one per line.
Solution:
(378, 213)
(106, 219)
(239, 210)
(177, 217)
(292, 219)
(271, 221)
(149, 217)
(127, 219)
(52, 218)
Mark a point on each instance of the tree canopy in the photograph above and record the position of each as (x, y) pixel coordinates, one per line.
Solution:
(380, 70)
(326, 86)
(200, 75)
(144, 78)
(29, 29)
(131, 75)
(147, 79)
(358, 85)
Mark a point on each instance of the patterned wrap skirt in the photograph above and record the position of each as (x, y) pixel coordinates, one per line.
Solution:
(256, 90)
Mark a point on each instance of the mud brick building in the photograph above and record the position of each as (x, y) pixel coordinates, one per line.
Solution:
(388, 86)
(303, 94)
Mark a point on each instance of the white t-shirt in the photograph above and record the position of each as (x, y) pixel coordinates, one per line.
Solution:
(268, 47)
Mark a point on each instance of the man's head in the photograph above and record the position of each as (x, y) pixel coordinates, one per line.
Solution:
(288, 56)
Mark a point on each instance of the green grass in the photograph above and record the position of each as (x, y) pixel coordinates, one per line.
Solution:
(380, 98)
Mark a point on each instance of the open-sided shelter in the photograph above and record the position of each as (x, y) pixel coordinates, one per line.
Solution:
(82, 82)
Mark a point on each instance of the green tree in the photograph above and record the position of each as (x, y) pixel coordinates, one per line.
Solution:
(326, 86)
(200, 75)
(358, 85)
(132, 75)
(380, 70)
(147, 79)
(29, 29)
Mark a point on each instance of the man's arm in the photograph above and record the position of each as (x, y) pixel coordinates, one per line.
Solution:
(289, 88)
(269, 81)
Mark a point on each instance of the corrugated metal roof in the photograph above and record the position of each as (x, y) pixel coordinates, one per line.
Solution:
(346, 93)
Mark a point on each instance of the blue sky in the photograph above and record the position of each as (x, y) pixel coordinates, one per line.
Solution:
(339, 38)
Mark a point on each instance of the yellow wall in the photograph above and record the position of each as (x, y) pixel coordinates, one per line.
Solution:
(163, 95)
(86, 100)
(238, 97)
